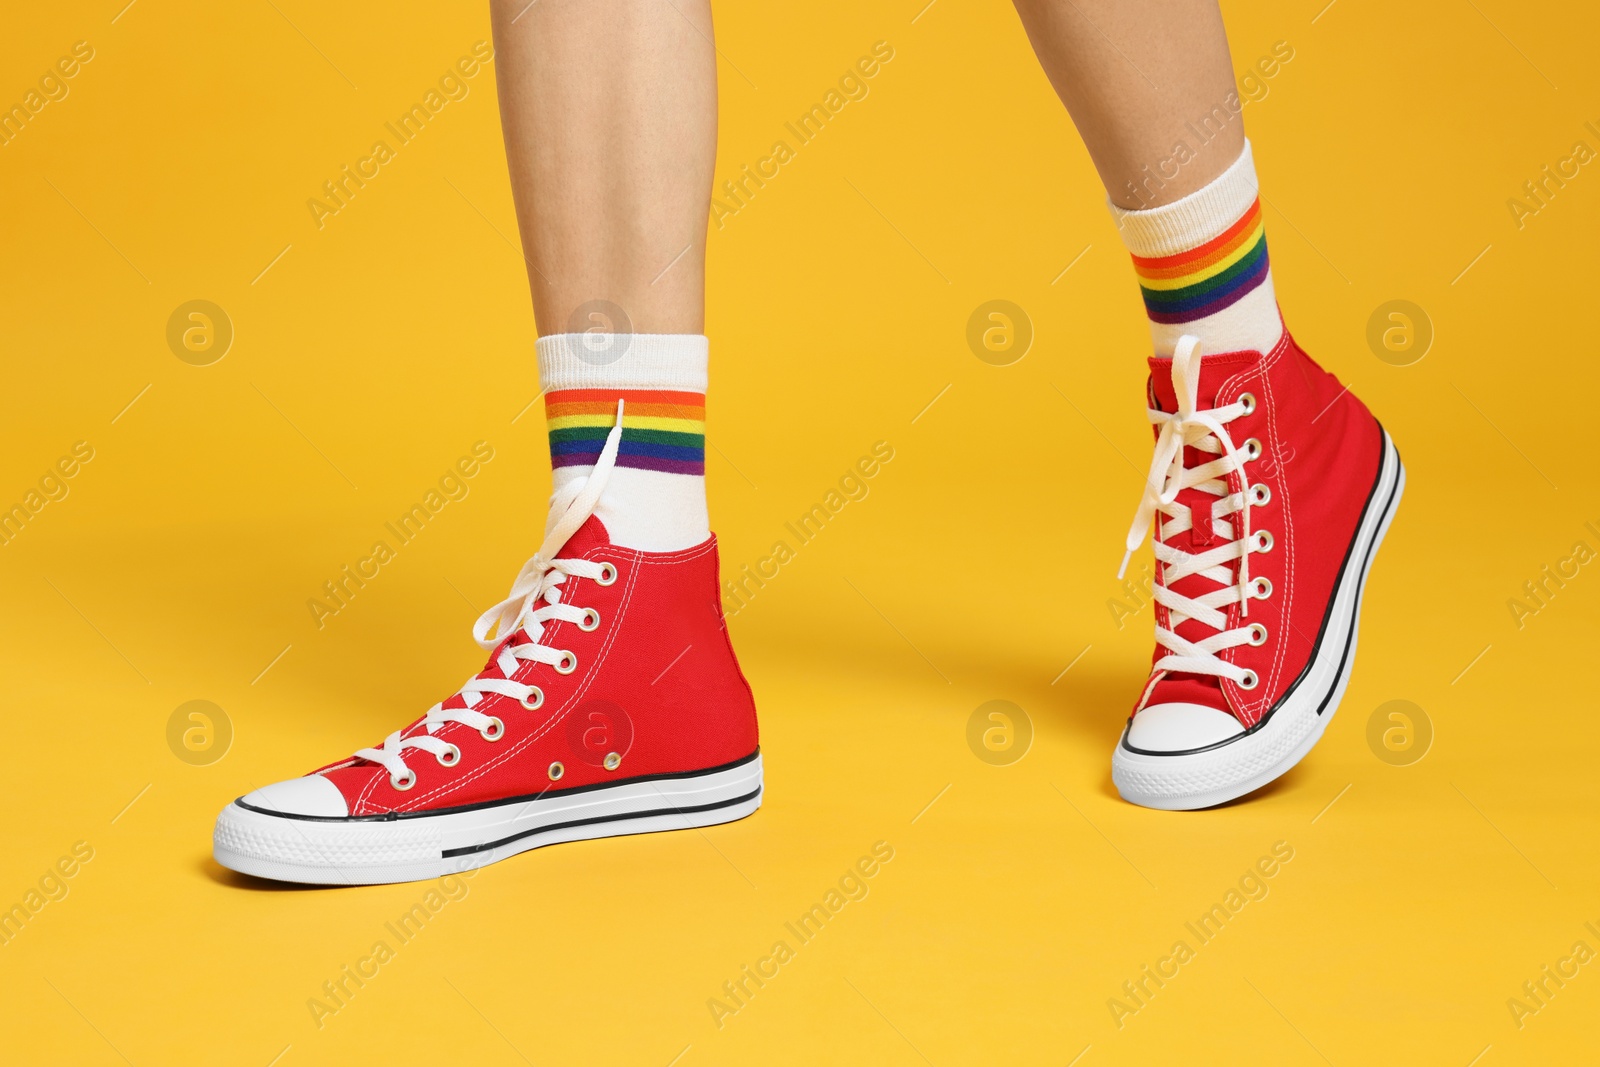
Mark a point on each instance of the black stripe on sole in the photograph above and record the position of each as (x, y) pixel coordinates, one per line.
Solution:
(470, 849)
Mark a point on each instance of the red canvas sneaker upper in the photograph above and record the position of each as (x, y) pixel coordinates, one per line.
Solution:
(607, 663)
(1264, 465)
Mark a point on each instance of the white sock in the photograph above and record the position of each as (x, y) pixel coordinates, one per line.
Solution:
(655, 500)
(1202, 265)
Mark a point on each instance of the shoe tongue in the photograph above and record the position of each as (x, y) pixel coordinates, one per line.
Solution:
(1202, 689)
(1214, 370)
(591, 535)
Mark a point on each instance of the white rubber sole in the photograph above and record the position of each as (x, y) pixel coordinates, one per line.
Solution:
(369, 850)
(1202, 779)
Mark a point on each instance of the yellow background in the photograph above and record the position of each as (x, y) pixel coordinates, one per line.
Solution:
(376, 350)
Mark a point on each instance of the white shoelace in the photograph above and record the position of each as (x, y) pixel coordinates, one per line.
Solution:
(535, 599)
(1205, 430)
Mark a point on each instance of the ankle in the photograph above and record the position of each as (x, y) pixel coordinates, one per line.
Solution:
(655, 499)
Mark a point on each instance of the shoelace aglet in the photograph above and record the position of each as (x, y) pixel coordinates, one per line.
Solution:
(1123, 570)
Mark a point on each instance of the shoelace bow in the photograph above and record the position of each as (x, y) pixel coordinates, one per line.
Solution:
(534, 600)
(1204, 430)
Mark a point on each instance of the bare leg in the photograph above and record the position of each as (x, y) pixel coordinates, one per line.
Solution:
(610, 112)
(1134, 74)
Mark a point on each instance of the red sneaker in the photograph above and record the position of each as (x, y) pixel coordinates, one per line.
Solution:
(1274, 487)
(612, 704)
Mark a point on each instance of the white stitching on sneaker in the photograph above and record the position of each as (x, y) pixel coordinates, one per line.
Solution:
(1206, 431)
(639, 562)
(534, 600)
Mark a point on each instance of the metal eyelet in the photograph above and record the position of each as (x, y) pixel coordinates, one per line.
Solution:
(567, 664)
(453, 752)
(1249, 402)
(556, 771)
(591, 621)
(494, 731)
(1252, 449)
(402, 784)
(1250, 681)
(1260, 495)
(536, 695)
(1258, 634)
(1261, 588)
(613, 760)
(608, 574)
(1263, 541)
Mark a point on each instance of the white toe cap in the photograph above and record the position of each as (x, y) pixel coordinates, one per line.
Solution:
(311, 795)
(1180, 727)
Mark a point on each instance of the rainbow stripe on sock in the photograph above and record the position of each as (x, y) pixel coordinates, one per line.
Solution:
(1202, 281)
(662, 430)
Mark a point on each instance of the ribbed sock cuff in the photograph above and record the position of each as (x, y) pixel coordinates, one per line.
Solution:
(676, 361)
(1193, 220)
